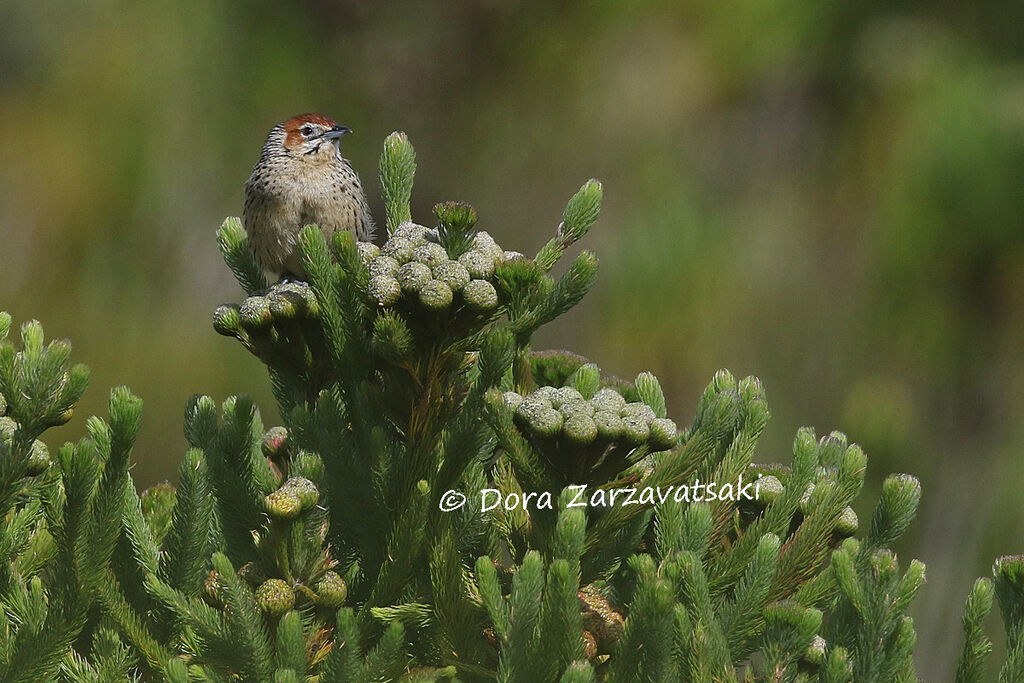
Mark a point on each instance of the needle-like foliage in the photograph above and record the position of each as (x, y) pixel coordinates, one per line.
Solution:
(443, 502)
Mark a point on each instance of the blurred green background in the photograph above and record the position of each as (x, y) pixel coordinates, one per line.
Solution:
(827, 195)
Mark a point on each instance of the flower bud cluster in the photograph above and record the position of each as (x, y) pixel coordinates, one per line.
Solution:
(282, 302)
(770, 488)
(275, 597)
(601, 621)
(275, 443)
(607, 417)
(295, 496)
(845, 525)
(413, 264)
(38, 455)
(213, 589)
(331, 590)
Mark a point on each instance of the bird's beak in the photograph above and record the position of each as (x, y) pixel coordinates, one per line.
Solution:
(336, 132)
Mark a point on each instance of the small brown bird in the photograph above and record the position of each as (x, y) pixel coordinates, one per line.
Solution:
(301, 178)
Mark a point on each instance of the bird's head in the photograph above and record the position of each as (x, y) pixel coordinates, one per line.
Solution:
(311, 135)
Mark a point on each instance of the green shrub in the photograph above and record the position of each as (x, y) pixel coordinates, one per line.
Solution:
(334, 547)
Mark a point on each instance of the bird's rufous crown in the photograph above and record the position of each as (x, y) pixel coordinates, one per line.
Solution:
(293, 137)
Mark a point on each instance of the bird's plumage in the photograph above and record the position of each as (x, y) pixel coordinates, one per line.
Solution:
(301, 178)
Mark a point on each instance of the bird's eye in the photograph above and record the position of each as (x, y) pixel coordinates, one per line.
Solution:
(306, 131)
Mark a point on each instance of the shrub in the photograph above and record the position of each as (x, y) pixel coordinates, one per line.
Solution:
(351, 543)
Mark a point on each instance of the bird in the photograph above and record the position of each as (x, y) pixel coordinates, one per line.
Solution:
(302, 178)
